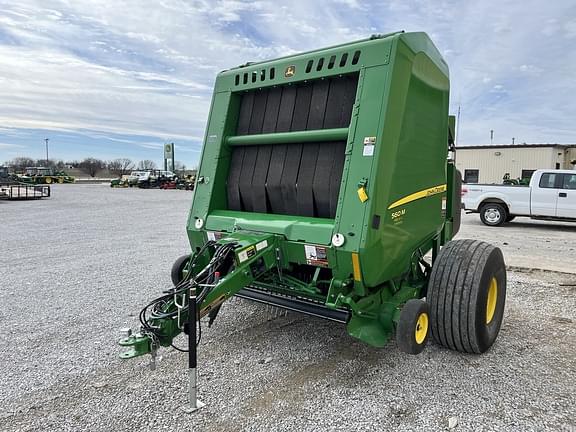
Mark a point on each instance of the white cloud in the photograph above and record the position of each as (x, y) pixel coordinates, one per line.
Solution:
(146, 68)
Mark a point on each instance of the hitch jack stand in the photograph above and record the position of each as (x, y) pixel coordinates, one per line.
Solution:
(195, 404)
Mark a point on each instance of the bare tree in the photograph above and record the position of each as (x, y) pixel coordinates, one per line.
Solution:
(146, 165)
(91, 166)
(18, 164)
(121, 166)
(179, 168)
(51, 163)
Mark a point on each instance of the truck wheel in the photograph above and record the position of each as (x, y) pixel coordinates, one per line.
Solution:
(493, 214)
(177, 272)
(467, 293)
(412, 328)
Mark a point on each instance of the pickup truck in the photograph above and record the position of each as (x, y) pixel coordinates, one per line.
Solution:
(550, 195)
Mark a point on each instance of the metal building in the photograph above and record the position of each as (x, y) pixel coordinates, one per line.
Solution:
(489, 163)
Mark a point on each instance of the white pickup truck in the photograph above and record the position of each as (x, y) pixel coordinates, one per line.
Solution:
(551, 194)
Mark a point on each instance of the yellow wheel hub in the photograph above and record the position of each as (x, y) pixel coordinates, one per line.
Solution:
(492, 300)
(421, 328)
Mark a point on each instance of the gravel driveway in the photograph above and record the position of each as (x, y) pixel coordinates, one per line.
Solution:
(80, 265)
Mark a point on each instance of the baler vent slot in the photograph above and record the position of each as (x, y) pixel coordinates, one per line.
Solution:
(253, 76)
(331, 62)
(356, 57)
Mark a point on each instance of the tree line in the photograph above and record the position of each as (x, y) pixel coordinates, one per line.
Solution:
(90, 166)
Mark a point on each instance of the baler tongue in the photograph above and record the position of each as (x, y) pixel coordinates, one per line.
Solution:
(237, 261)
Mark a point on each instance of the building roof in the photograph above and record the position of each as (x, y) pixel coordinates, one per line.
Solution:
(500, 146)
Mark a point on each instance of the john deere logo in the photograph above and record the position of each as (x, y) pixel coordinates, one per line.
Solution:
(290, 71)
(168, 148)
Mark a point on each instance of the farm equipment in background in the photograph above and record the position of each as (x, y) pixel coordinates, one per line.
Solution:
(121, 182)
(517, 181)
(43, 175)
(323, 183)
(185, 183)
(12, 189)
(146, 179)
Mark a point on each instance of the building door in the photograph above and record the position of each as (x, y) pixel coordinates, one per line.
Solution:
(566, 206)
(544, 196)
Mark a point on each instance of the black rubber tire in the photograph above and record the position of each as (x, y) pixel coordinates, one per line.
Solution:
(510, 218)
(407, 324)
(177, 269)
(458, 295)
(493, 214)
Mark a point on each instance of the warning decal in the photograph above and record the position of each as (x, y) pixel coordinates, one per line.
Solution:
(316, 255)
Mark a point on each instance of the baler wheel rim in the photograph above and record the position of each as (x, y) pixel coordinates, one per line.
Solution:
(421, 329)
(492, 300)
(412, 326)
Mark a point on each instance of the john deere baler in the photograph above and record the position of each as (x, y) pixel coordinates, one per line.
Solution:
(324, 181)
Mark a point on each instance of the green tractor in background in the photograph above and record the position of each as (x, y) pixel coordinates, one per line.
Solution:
(43, 175)
(325, 181)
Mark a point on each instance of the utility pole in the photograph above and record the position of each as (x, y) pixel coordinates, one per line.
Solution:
(491, 136)
(513, 139)
(46, 139)
(457, 126)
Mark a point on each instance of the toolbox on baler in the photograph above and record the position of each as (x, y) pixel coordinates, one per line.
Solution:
(323, 183)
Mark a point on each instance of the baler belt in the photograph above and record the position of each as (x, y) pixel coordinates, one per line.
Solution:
(336, 175)
(259, 179)
(233, 190)
(289, 177)
(300, 179)
(246, 174)
(319, 104)
(293, 179)
(274, 180)
(304, 194)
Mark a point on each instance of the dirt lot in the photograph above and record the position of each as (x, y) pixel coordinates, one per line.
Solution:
(80, 265)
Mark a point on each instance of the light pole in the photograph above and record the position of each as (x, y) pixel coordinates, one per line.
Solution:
(47, 139)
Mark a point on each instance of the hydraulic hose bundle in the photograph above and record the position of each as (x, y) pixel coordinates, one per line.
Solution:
(166, 307)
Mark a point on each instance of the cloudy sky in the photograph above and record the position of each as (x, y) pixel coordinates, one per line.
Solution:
(115, 79)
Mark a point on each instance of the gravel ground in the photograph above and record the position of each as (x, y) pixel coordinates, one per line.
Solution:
(528, 243)
(78, 266)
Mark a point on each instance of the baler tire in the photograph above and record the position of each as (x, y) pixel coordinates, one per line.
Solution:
(467, 295)
(498, 210)
(413, 327)
(177, 269)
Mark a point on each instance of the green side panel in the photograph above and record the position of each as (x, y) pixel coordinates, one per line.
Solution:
(411, 155)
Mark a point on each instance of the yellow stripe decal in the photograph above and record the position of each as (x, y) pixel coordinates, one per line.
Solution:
(356, 267)
(417, 195)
